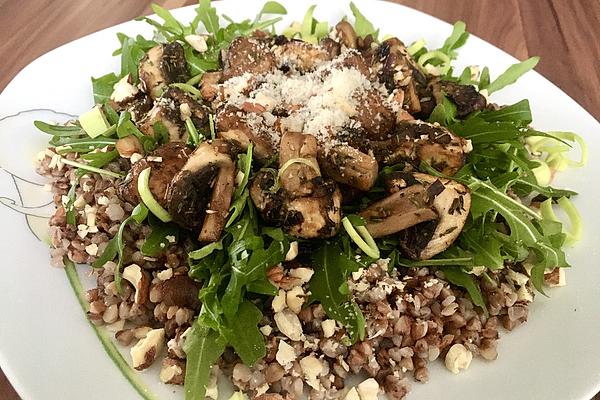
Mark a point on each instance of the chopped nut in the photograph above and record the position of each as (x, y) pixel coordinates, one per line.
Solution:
(141, 332)
(518, 278)
(523, 294)
(266, 330)
(92, 249)
(368, 389)
(457, 358)
(165, 274)
(279, 302)
(285, 354)
(172, 371)
(198, 42)
(555, 277)
(289, 324)
(140, 281)
(328, 327)
(303, 274)
(311, 368)
(147, 349)
(123, 90)
(295, 299)
(128, 147)
(292, 252)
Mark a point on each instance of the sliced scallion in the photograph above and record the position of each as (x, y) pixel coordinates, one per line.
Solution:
(91, 169)
(148, 197)
(363, 239)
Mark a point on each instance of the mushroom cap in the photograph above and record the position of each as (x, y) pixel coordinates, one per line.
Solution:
(452, 205)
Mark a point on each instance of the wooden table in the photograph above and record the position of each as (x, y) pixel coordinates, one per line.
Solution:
(565, 33)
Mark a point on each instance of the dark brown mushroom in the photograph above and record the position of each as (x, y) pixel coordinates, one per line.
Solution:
(248, 55)
(300, 56)
(347, 165)
(346, 34)
(298, 164)
(200, 194)
(209, 85)
(466, 98)
(405, 208)
(452, 202)
(162, 65)
(416, 141)
(165, 162)
(171, 110)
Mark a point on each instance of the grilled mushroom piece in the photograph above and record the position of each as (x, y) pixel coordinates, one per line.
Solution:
(347, 165)
(162, 65)
(171, 110)
(251, 55)
(165, 162)
(466, 97)
(452, 204)
(346, 34)
(209, 85)
(298, 164)
(300, 56)
(405, 208)
(317, 216)
(416, 141)
(231, 126)
(200, 194)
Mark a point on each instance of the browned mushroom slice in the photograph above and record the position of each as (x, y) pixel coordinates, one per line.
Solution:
(250, 55)
(466, 97)
(375, 118)
(165, 162)
(162, 65)
(209, 85)
(191, 194)
(231, 126)
(452, 204)
(347, 165)
(298, 164)
(318, 216)
(300, 56)
(403, 209)
(171, 110)
(268, 203)
(331, 46)
(218, 207)
(346, 34)
(416, 141)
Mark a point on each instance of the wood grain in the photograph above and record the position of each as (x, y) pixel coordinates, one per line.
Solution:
(565, 33)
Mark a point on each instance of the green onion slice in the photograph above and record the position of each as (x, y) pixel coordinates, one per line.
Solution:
(363, 239)
(287, 164)
(148, 198)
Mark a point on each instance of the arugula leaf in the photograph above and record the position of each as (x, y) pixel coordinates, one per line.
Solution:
(362, 25)
(59, 130)
(458, 277)
(332, 267)
(457, 39)
(511, 75)
(486, 249)
(243, 333)
(240, 196)
(444, 113)
(162, 236)
(203, 347)
(271, 7)
(102, 87)
(484, 78)
(126, 127)
(208, 16)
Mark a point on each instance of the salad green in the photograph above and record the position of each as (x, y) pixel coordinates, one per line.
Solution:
(508, 173)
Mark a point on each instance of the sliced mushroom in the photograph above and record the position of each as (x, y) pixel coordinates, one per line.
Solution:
(209, 85)
(298, 164)
(231, 126)
(405, 208)
(466, 98)
(373, 115)
(172, 110)
(347, 165)
(300, 56)
(162, 65)
(192, 190)
(416, 141)
(346, 34)
(318, 216)
(248, 55)
(167, 161)
(269, 204)
(452, 205)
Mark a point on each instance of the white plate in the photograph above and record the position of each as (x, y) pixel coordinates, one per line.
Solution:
(47, 348)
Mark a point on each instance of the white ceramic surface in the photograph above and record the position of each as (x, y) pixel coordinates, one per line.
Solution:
(47, 348)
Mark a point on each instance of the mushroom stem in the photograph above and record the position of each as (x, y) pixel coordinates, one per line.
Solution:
(218, 207)
(347, 165)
